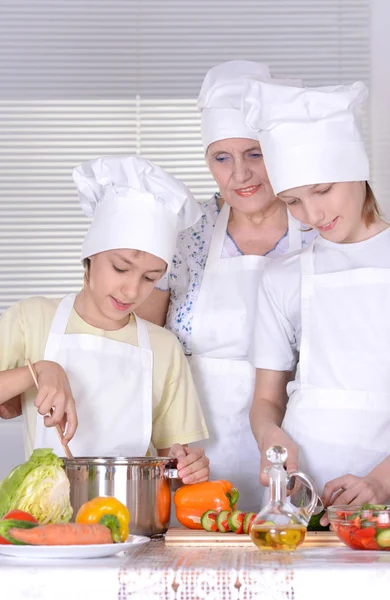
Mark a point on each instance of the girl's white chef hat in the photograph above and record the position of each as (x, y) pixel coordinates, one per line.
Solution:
(308, 135)
(133, 204)
(220, 99)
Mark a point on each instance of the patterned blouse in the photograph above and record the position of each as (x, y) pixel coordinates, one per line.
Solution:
(186, 274)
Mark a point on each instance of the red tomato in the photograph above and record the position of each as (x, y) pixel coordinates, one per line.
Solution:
(370, 544)
(19, 515)
(364, 538)
(345, 534)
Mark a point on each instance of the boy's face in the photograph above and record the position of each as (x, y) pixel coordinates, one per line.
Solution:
(121, 280)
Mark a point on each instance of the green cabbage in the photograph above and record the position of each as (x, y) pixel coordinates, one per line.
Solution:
(39, 487)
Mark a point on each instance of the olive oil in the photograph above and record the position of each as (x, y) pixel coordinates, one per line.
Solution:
(280, 525)
(277, 537)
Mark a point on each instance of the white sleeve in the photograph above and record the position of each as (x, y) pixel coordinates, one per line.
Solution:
(273, 342)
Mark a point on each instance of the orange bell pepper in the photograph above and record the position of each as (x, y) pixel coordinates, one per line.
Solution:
(191, 501)
(164, 501)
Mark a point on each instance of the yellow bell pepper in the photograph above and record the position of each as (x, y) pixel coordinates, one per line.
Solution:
(100, 508)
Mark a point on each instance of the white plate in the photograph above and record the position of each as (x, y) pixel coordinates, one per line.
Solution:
(91, 551)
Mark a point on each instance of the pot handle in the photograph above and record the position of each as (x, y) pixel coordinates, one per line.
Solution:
(172, 474)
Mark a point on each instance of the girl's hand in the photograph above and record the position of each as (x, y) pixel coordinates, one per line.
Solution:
(54, 392)
(277, 437)
(192, 464)
(350, 489)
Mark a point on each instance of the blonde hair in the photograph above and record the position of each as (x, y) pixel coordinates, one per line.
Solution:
(87, 267)
(371, 210)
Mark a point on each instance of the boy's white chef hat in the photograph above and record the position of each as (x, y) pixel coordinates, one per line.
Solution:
(133, 204)
(220, 100)
(308, 135)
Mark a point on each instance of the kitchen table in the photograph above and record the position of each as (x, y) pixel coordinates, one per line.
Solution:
(156, 571)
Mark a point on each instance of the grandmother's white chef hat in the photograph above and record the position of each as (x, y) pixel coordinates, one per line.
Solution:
(133, 204)
(220, 99)
(308, 135)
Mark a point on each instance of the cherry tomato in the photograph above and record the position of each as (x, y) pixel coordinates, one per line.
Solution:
(19, 515)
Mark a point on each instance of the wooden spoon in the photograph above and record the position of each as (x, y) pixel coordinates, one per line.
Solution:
(58, 428)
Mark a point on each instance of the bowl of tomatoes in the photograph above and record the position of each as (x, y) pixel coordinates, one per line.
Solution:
(365, 527)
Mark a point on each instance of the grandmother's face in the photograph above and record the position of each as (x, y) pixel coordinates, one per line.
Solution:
(238, 167)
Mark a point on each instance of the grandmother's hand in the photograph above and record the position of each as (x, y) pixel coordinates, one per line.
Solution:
(11, 409)
(277, 437)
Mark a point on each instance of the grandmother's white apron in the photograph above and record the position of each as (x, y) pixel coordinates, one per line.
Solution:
(222, 329)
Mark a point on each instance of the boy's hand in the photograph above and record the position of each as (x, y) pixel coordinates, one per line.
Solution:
(54, 392)
(192, 464)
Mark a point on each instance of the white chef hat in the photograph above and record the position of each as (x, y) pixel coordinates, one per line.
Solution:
(133, 204)
(220, 99)
(308, 135)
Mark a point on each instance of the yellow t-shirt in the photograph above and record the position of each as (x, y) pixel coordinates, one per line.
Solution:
(177, 415)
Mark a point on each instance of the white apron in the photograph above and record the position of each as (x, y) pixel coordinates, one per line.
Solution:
(340, 416)
(112, 387)
(222, 328)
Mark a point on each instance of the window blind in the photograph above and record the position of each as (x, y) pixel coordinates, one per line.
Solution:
(83, 78)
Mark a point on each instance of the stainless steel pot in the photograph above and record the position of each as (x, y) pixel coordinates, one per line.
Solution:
(142, 484)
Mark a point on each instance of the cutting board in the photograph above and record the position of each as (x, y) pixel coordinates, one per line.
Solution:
(180, 536)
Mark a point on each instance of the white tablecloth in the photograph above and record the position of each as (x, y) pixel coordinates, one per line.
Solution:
(154, 572)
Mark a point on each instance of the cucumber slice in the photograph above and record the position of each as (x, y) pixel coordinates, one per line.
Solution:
(383, 538)
(235, 520)
(222, 521)
(368, 506)
(248, 520)
(208, 520)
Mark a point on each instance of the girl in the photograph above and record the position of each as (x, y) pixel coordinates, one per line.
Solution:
(323, 320)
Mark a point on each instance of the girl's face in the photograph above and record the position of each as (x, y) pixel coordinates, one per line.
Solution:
(332, 209)
(121, 280)
(238, 168)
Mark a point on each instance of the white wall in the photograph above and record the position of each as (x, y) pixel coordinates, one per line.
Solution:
(380, 100)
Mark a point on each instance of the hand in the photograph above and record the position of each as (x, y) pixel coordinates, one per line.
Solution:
(192, 464)
(11, 409)
(350, 489)
(54, 392)
(277, 437)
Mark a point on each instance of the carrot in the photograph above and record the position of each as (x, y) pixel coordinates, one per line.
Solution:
(64, 534)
